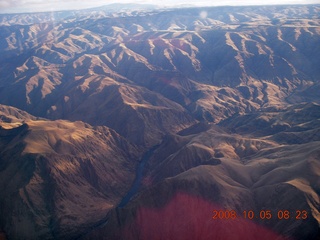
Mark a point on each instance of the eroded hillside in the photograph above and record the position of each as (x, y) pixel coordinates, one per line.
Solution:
(213, 62)
(138, 124)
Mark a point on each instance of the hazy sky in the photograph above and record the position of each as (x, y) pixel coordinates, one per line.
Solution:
(10, 6)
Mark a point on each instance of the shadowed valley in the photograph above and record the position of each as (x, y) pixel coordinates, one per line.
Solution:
(137, 124)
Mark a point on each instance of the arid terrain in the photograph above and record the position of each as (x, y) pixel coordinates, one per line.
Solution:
(142, 123)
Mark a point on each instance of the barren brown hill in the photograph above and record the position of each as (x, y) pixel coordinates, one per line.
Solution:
(209, 168)
(292, 125)
(140, 115)
(214, 62)
(157, 118)
(59, 179)
(11, 115)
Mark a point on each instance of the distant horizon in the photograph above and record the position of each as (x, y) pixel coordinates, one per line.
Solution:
(31, 6)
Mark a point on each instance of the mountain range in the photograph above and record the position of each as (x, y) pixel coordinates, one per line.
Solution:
(140, 124)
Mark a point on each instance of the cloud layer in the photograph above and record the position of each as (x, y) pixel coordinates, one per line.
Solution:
(11, 6)
(46, 5)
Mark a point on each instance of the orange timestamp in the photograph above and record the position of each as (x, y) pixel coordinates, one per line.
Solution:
(262, 214)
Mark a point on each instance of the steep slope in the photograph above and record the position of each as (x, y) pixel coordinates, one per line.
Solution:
(59, 179)
(14, 115)
(214, 62)
(138, 114)
(207, 168)
(220, 105)
(292, 125)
